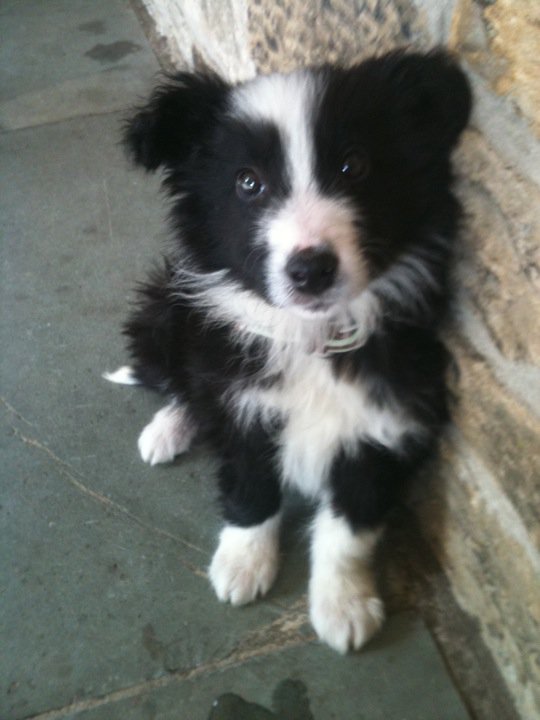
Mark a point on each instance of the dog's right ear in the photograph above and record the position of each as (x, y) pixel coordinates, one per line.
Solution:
(175, 120)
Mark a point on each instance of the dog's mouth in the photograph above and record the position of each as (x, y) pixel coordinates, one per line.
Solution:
(312, 307)
(329, 304)
(315, 283)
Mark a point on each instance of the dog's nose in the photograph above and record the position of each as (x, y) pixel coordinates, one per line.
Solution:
(312, 270)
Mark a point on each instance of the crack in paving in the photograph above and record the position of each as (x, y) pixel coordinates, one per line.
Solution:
(280, 634)
(76, 480)
(238, 657)
(15, 412)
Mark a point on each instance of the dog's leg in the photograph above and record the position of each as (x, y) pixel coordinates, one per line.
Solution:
(344, 607)
(170, 433)
(246, 561)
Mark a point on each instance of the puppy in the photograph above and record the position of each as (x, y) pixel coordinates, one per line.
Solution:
(294, 326)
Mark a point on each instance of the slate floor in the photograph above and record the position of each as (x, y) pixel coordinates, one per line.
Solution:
(106, 609)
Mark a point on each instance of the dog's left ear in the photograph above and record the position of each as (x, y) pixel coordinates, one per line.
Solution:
(175, 120)
(431, 98)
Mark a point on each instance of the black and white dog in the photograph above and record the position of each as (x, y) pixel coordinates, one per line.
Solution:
(295, 325)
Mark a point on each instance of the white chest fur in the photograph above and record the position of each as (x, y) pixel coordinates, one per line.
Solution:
(321, 416)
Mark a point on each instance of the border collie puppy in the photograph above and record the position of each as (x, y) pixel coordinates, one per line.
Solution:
(294, 327)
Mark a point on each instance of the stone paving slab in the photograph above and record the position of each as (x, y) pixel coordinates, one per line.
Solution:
(66, 58)
(106, 608)
(300, 680)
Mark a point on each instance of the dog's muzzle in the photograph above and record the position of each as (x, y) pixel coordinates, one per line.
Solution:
(312, 271)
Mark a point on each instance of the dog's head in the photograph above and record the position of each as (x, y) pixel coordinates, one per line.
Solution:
(311, 187)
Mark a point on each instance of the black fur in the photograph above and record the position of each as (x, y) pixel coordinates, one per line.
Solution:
(402, 114)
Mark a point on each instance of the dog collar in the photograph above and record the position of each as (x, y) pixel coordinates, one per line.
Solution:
(344, 340)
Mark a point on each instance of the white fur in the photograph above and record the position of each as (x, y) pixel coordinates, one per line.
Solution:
(407, 280)
(226, 301)
(345, 609)
(123, 376)
(307, 218)
(246, 561)
(288, 101)
(323, 415)
(169, 433)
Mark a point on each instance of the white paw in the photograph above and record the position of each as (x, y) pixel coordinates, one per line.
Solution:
(169, 434)
(246, 562)
(344, 611)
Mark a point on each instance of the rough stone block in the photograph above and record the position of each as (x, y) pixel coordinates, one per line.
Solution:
(503, 432)
(238, 38)
(493, 569)
(293, 33)
(500, 264)
(500, 40)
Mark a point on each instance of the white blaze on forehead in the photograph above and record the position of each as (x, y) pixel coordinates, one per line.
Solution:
(308, 217)
(287, 101)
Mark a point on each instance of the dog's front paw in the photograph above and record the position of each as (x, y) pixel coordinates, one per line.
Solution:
(168, 434)
(344, 611)
(246, 562)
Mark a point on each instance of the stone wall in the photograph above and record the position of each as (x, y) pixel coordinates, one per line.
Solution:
(490, 546)
(482, 514)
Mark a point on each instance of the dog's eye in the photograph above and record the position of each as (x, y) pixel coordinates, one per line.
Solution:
(248, 185)
(355, 165)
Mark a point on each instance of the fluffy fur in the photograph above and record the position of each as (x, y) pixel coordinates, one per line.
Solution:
(295, 324)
